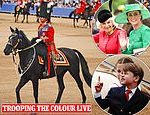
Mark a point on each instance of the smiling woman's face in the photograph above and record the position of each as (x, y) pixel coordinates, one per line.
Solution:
(134, 17)
(107, 26)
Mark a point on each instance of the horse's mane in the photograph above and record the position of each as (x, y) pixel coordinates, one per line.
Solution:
(24, 36)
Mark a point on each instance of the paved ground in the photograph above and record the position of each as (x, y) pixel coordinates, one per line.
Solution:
(65, 36)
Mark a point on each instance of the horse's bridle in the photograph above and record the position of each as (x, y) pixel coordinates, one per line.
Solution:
(14, 47)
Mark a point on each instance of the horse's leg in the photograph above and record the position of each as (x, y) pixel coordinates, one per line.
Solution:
(77, 20)
(86, 22)
(22, 82)
(35, 84)
(17, 16)
(23, 18)
(90, 18)
(90, 22)
(61, 87)
(74, 21)
(37, 18)
(15, 19)
(27, 18)
(76, 76)
(37, 14)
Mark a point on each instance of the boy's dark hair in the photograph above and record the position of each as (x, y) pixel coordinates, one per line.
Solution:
(124, 60)
(135, 69)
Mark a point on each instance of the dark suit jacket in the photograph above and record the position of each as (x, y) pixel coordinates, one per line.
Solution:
(117, 103)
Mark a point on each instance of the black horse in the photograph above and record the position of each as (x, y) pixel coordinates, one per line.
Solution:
(30, 69)
(86, 15)
(25, 11)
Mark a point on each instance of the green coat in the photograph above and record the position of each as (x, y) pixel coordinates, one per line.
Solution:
(139, 38)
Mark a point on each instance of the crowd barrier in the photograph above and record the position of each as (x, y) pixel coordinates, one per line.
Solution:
(57, 11)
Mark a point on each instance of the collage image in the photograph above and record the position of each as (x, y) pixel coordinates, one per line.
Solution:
(118, 83)
(75, 57)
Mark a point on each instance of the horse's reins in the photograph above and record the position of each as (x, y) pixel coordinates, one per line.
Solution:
(28, 65)
(17, 51)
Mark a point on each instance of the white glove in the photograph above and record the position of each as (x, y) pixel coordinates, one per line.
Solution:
(38, 40)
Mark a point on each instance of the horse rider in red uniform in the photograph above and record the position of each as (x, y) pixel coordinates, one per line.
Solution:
(97, 4)
(81, 8)
(19, 2)
(46, 33)
(22, 3)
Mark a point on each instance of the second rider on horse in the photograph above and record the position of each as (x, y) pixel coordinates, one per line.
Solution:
(81, 8)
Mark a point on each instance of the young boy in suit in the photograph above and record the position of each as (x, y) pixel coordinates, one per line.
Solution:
(127, 99)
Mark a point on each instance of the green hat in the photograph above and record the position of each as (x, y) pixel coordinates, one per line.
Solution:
(122, 17)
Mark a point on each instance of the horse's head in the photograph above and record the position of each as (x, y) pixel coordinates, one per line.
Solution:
(14, 42)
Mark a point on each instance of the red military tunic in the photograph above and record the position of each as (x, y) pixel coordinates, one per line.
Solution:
(110, 44)
(19, 2)
(47, 31)
(96, 6)
(82, 7)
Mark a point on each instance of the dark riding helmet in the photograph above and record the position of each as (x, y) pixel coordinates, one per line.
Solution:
(104, 15)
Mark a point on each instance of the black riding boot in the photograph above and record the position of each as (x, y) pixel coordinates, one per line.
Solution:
(45, 73)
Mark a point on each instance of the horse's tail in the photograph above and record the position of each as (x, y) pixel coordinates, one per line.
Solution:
(70, 15)
(85, 69)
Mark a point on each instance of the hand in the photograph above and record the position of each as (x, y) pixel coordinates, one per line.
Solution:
(38, 40)
(98, 86)
(123, 43)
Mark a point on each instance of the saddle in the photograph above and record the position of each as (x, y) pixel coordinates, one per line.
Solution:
(60, 60)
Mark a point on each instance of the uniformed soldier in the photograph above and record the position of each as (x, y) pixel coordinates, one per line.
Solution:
(46, 33)
(81, 8)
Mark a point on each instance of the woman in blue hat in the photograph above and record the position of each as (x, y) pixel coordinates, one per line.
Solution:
(139, 37)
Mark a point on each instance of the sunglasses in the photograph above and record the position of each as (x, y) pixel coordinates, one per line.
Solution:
(133, 14)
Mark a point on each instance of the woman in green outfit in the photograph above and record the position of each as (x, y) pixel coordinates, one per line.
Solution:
(139, 37)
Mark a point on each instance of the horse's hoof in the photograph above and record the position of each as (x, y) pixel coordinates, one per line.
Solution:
(19, 102)
(57, 102)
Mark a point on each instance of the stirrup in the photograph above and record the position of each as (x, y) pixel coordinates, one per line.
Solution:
(45, 74)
